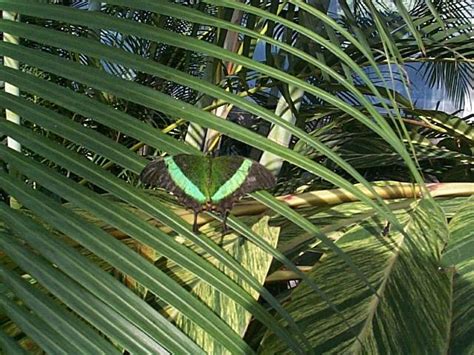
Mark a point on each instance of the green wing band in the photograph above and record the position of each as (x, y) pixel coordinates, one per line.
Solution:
(234, 182)
(183, 182)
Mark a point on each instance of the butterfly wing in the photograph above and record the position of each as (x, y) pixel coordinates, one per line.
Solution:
(183, 175)
(156, 174)
(234, 177)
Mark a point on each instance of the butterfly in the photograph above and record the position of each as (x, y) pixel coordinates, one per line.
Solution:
(204, 183)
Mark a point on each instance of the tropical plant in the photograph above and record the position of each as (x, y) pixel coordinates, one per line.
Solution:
(93, 263)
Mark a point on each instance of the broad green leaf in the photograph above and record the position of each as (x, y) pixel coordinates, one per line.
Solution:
(306, 225)
(461, 242)
(402, 268)
(459, 255)
(253, 259)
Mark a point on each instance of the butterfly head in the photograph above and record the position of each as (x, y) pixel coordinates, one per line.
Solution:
(209, 206)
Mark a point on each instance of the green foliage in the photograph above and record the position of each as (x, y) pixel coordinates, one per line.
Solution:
(92, 262)
(458, 255)
(405, 274)
(252, 258)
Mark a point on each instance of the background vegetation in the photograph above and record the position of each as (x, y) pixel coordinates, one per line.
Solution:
(366, 244)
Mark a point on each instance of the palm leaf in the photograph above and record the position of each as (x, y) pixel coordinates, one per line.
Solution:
(62, 245)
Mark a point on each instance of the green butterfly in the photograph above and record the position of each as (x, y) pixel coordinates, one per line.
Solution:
(203, 183)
